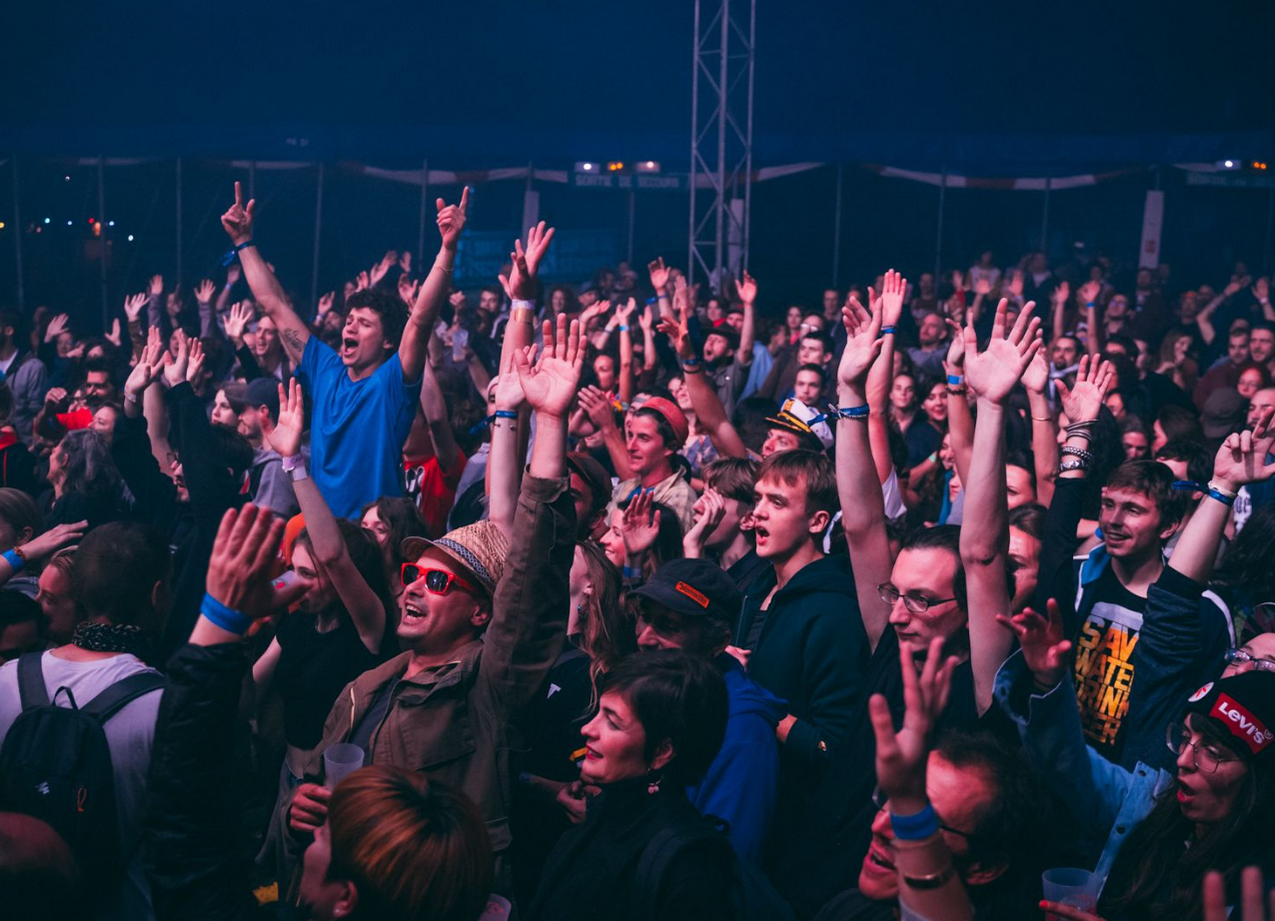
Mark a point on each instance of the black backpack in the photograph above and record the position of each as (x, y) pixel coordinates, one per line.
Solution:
(752, 896)
(55, 764)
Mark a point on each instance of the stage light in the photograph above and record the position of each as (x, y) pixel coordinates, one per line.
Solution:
(1229, 164)
(1, 225)
(66, 178)
(130, 238)
(648, 166)
(70, 223)
(615, 166)
(46, 220)
(110, 223)
(587, 166)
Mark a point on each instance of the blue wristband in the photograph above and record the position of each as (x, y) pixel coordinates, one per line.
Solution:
(1222, 497)
(632, 573)
(622, 328)
(226, 618)
(15, 562)
(231, 256)
(852, 412)
(918, 827)
(888, 330)
(955, 380)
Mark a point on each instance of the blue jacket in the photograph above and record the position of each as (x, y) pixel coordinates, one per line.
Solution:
(1106, 800)
(742, 782)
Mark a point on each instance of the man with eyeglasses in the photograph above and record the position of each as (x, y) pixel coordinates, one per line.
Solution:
(482, 619)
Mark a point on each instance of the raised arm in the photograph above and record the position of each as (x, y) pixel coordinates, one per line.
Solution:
(858, 485)
(440, 426)
(625, 376)
(704, 400)
(266, 290)
(748, 331)
(599, 408)
(506, 458)
(893, 290)
(366, 609)
(960, 421)
(992, 374)
(1204, 319)
(1044, 427)
(433, 290)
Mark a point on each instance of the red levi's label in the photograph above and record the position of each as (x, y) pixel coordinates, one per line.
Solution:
(1242, 724)
(692, 593)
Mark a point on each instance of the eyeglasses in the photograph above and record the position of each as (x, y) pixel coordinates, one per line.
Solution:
(917, 604)
(437, 581)
(1206, 759)
(880, 800)
(1240, 657)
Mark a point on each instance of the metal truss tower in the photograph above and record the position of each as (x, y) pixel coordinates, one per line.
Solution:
(721, 137)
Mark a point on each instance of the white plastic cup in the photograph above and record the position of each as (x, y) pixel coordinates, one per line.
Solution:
(1070, 886)
(339, 762)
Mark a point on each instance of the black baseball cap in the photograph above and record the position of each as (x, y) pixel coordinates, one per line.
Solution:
(694, 588)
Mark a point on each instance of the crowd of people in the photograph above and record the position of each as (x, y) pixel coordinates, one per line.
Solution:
(638, 600)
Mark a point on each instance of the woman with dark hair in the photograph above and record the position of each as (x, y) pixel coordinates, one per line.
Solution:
(549, 797)
(1246, 578)
(229, 404)
(341, 628)
(660, 722)
(86, 484)
(391, 520)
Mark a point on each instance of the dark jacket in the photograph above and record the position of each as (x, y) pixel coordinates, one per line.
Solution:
(811, 652)
(592, 875)
(458, 723)
(193, 858)
(742, 782)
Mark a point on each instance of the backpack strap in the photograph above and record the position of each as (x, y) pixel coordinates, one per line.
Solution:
(31, 690)
(122, 693)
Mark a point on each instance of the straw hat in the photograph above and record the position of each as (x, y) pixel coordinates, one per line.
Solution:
(480, 548)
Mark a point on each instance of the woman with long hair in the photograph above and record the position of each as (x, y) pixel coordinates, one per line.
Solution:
(1246, 578)
(86, 484)
(659, 724)
(390, 520)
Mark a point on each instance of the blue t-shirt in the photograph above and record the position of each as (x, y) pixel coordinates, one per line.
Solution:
(357, 428)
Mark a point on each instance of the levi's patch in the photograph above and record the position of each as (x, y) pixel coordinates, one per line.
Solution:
(1242, 724)
(692, 593)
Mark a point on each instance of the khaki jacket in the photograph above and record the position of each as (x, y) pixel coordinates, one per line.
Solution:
(460, 721)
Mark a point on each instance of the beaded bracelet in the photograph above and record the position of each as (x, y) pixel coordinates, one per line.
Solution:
(1086, 456)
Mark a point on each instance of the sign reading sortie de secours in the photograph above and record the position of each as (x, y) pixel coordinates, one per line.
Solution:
(663, 182)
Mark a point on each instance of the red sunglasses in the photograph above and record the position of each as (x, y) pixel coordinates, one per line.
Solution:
(437, 581)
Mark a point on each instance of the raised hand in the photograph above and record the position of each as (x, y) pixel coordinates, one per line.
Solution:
(520, 284)
(204, 293)
(955, 363)
(659, 275)
(326, 300)
(1262, 290)
(893, 289)
(53, 540)
(640, 524)
(1015, 284)
(382, 268)
(195, 363)
(1089, 292)
(239, 217)
(599, 407)
(285, 437)
(457, 298)
(592, 311)
(451, 219)
(362, 282)
(901, 757)
(113, 337)
(982, 286)
(551, 385)
(995, 371)
(1036, 377)
(863, 342)
(747, 289)
(679, 330)
(157, 285)
(1044, 649)
(1242, 458)
(57, 326)
(645, 319)
(133, 306)
(233, 273)
(1058, 298)
(175, 365)
(625, 314)
(243, 557)
(709, 510)
(241, 315)
(406, 290)
(148, 367)
(1083, 401)
(405, 262)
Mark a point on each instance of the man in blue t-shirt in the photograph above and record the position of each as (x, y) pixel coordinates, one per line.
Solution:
(363, 397)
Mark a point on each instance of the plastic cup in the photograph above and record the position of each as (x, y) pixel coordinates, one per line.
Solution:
(1070, 886)
(498, 909)
(339, 762)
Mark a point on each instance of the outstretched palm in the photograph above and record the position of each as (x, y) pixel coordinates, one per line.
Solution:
(863, 344)
(995, 371)
(893, 288)
(551, 384)
(285, 437)
(1041, 639)
(1083, 401)
(1242, 457)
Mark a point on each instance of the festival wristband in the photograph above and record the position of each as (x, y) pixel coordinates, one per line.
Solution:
(889, 330)
(915, 827)
(226, 618)
(15, 561)
(233, 254)
(622, 328)
(498, 414)
(955, 380)
(522, 311)
(1215, 486)
(851, 412)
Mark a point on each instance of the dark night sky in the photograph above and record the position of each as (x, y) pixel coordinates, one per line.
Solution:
(504, 81)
